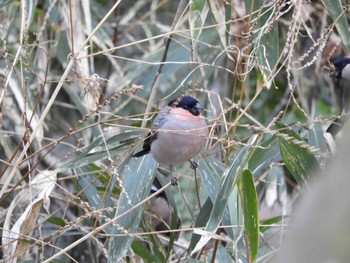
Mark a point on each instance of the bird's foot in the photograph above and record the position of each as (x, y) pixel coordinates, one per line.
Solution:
(193, 165)
(174, 181)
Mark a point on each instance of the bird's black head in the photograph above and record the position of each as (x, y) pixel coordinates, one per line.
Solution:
(188, 103)
(339, 65)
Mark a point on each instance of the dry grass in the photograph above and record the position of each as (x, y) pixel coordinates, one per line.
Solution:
(80, 83)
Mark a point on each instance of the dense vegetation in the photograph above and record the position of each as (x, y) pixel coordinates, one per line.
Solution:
(80, 84)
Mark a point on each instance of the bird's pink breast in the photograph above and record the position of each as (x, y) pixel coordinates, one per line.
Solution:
(180, 137)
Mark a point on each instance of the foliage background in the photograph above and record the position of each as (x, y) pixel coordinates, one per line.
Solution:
(80, 84)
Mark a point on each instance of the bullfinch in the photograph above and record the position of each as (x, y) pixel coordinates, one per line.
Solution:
(161, 212)
(341, 78)
(179, 132)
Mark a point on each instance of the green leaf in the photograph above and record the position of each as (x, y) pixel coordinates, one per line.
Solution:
(249, 199)
(136, 187)
(157, 247)
(198, 4)
(266, 224)
(56, 221)
(97, 149)
(218, 10)
(201, 221)
(224, 192)
(316, 138)
(141, 250)
(296, 154)
(266, 38)
(199, 12)
(263, 156)
(90, 184)
(335, 9)
(211, 172)
(105, 179)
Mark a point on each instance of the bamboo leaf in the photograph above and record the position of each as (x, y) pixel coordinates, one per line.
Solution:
(56, 221)
(249, 199)
(211, 172)
(199, 12)
(90, 184)
(96, 150)
(218, 10)
(335, 9)
(141, 250)
(266, 37)
(266, 224)
(296, 154)
(264, 155)
(225, 189)
(136, 186)
(201, 221)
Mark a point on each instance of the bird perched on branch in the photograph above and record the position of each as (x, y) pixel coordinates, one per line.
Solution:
(179, 133)
(341, 78)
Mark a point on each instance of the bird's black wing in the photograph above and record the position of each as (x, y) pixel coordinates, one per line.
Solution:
(157, 123)
(337, 125)
(146, 148)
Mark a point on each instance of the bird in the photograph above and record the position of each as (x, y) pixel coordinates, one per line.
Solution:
(341, 78)
(161, 212)
(179, 133)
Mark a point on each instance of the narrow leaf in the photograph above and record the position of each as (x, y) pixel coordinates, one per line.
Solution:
(296, 154)
(316, 137)
(199, 12)
(266, 224)
(201, 221)
(56, 221)
(225, 189)
(250, 208)
(264, 155)
(335, 9)
(141, 250)
(266, 37)
(97, 149)
(136, 187)
(219, 13)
